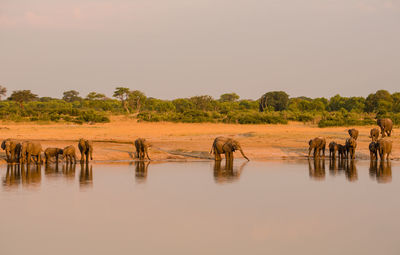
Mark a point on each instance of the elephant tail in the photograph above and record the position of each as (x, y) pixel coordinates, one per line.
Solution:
(212, 151)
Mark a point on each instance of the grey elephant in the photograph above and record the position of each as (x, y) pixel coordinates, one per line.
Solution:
(142, 146)
(318, 144)
(333, 148)
(13, 150)
(351, 145)
(374, 134)
(384, 148)
(353, 133)
(386, 126)
(86, 149)
(224, 145)
(69, 154)
(52, 152)
(29, 149)
(373, 150)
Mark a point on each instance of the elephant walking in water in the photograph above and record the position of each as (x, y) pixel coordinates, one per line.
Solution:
(318, 144)
(224, 145)
(142, 147)
(384, 148)
(13, 150)
(86, 149)
(386, 126)
(31, 149)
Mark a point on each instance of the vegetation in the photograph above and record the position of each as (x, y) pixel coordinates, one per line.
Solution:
(274, 107)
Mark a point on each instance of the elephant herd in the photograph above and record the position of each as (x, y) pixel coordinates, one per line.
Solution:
(22, 152)
(381, 147)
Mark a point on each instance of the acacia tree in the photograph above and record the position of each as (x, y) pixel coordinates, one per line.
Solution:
(3, 91)
(21, 96)
(71, 96)
(95, 96)
(122, 94)
(136, 98)
(278, 100)
(229, 97)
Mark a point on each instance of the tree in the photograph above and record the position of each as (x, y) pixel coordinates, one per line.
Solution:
(95, 96)
(381, 101)
(3, 91)
(21, 96)
(278, 100)
(229, 97)
(203, 103)
(136, 98)
(71, 96)
(122, 94)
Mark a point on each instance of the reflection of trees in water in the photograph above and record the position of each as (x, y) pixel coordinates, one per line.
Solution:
(227, 173)
(382, 171)
(141, 168)
(86, 175)
(316, 168)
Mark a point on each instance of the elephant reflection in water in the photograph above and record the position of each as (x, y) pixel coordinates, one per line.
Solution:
(333, 169)
(382, 171)
(13, 175)
(86, 175)
(316, 169)
(351, 170)
(68, 170)
(141, 168)
(50, 169)
(32, 175)
(228, 173)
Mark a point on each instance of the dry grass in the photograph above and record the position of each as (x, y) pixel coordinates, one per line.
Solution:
(113, 141)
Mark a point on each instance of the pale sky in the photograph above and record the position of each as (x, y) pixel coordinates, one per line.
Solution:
(182, 48)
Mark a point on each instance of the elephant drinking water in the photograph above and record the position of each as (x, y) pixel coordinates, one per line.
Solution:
(227, 146)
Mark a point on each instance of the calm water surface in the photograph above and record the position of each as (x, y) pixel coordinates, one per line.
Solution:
(201, 208)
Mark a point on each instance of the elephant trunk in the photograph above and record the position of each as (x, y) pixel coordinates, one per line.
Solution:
(241, 151)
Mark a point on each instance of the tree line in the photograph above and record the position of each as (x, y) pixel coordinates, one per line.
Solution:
(273, 107)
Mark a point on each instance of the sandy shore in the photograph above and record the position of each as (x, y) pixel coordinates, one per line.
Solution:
(180, 141)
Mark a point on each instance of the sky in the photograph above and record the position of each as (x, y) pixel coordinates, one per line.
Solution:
(183, 48)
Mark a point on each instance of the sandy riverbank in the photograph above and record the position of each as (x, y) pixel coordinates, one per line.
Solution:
(181, 141)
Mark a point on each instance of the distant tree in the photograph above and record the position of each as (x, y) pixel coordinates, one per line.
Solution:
(183, 104)
(381, 101)
(47, 99)
(71, 96)
(204, 103)
(95, 96)
(229, 97)
(136, 98)
(22, 96)
(277, 100)
(122, 94)
(3, 91)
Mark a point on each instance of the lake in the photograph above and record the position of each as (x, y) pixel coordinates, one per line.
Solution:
(274, 207)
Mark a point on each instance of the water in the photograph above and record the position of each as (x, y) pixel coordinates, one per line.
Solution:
(201, 208)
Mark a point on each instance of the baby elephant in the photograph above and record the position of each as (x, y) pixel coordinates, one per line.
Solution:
(52, 152)
(86, 149)
(318, 144)
(351, 146)
(342, 151)
(333, 148)
(373, 150)
(69, 154)
(142, 146)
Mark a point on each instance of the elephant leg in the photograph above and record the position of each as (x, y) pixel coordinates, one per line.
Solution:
(12, 156)
(309, 151)
(87, 157)
(46, 159)
(82, 156)
(217, 156)
(91, 154)
(29, 157)
(147, 154)
(39, 158)
(74, 159)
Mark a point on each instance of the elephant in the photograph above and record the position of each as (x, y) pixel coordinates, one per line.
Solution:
(13, 150)
(142, 147)
(374, 134)
(351, 146)
(384, 148)
(373, 150)
(31, 149)
(318, 144)
(342, 151)
(353, 133)
(52, 152)
(69, 154)
(333, 148)
(86, 149)
(386, 126)
(227, 146)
